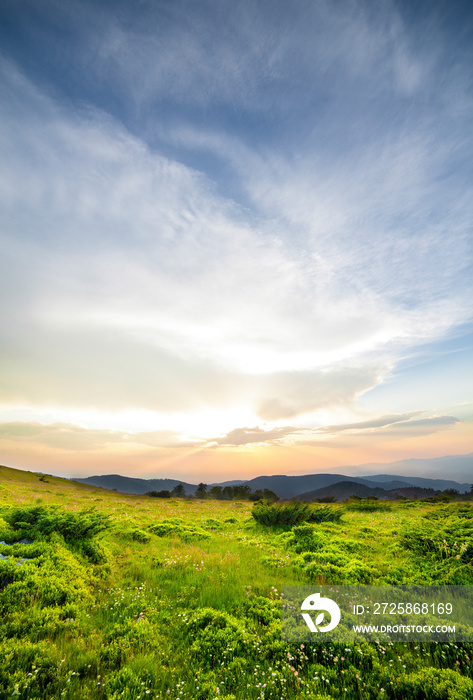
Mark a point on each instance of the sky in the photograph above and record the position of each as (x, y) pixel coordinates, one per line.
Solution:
(235, 236)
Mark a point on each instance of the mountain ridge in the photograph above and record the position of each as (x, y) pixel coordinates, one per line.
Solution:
(287, 486)
(344, 489)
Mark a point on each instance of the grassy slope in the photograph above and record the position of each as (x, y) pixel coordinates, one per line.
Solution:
(195, 613)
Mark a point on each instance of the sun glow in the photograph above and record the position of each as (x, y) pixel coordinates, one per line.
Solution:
(200, 424)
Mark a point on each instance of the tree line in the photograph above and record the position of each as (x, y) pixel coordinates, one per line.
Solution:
(238, 492)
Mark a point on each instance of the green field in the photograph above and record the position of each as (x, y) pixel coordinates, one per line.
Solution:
(119, 596)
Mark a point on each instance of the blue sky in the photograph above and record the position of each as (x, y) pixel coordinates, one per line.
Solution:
(231, 229)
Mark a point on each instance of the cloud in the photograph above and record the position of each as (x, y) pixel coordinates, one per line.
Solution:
(380, 422)
(425, 426)
(246, 436)
(402, 425)
(59, 435)
(266, 223)
(289, 394)
(135, 285)
(65, 436)
(387, 433)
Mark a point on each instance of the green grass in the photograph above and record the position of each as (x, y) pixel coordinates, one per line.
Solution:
(123, 596)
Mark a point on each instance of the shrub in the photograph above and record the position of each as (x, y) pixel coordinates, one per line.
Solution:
(329, 573)
(6, 532)
(435, 684)
(444, 534)
(357, 571)
(175, 527)
(292, 513)
(334, 569)
(216, 636)
(126, 684)
(331, 555)
(27, 668)
(55, 578)
(302, 538)
(94, 550)
(325, 514)
(289, 513)
(263, 610)
(138, 535)
(211, 524)
(34, 521)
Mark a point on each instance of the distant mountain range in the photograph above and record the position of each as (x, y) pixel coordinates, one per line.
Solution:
(128, 484)
(344, 489)
(312, 486)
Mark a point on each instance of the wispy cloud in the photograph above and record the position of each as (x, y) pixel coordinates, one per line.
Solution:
(407, 424)
(242, 209)
(70, 437)
(246, 436)
(65, 436)
(140, 261)
(380, 422)
(425, 426)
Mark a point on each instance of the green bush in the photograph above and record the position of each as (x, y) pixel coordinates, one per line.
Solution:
(263, 610)
(95, 551)
(19, 550)
(444, 534)
(28, 670)
(175, 527)
(302, 538)
(368, 505)
(211, 524)
(434, 684)
(325, 573)
(293, 513)
(135, 535)
(126, 684)
(288, 513)
(6, 532)
(216, 636)
(325, 514)
(55, 578)
(34, 521)
(331, 555)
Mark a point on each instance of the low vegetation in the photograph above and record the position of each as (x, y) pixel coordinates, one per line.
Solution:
(105, 596)
(293, 512)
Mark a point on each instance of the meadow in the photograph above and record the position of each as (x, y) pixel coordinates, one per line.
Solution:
(108, 596)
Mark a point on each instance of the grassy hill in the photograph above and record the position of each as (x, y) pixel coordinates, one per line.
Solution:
(107, 595)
